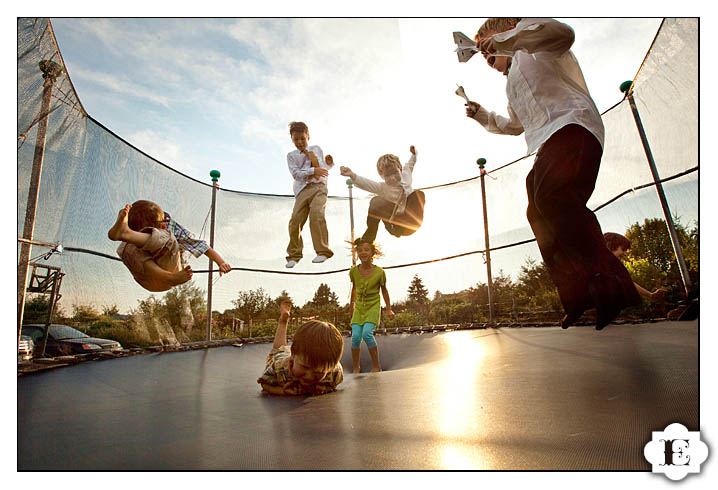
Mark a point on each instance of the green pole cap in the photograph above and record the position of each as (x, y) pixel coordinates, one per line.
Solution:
(481, 162)
(349, 182)
(214, 174)
(625, 86)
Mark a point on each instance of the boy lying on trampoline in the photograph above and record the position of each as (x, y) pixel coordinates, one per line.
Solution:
(396, 203)
(310, 366)
(153, 244)
(619, 246)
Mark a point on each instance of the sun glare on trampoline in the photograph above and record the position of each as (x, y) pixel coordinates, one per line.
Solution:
(461, 390)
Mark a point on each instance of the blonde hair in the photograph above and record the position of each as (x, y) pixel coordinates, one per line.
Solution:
(319, 343)
(496, 24)
(375, 250)
(388, 161)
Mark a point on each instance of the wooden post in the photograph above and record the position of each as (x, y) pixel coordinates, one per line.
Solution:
(50, 72)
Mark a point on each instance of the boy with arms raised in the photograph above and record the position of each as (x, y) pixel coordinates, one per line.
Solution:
(550, 103)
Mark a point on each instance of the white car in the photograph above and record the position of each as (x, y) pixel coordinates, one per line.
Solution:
(25, 348)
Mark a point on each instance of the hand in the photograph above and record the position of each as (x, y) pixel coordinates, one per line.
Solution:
(320, 172)
(471, 109)
(224, 267)
(659, 294)
(390, 313)
(485, 45)
(412, 150)
(285, 308)
(346, 172)
(329, 160)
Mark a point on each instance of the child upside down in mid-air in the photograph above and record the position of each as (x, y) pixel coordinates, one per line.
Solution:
(152, 246)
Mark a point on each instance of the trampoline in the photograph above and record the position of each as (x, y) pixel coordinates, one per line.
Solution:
(482, 399)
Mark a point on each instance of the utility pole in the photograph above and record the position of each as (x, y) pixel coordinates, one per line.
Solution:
(50, 72)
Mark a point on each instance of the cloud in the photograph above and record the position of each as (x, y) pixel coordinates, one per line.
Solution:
(163, 149)
(120, 85)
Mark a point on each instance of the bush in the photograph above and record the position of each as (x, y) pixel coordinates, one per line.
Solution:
(402, 320)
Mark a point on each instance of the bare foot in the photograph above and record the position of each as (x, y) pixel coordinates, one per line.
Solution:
(120, 227)
(184, 275)
(376, 370)
(356, 371)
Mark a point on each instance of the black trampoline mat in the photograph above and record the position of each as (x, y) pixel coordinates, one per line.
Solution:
(506, 398)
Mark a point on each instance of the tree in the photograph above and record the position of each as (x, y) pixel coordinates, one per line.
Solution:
(183, 304)
(251, 304)
(417, 292)
(84, 314)
(535, 288)
(652, 241)
(36, 310)
(283, 296)
(651, 261)
(110, 310)
(324, 297)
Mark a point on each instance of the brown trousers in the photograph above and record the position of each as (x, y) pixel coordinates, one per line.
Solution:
(309, 203)
(567, 232)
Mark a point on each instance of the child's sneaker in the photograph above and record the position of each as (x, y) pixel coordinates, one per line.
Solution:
(290, 264)
(319, 259)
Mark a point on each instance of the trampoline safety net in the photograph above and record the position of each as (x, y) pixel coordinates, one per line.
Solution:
(89, 173)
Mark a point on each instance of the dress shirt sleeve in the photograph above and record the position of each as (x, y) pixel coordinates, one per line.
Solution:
(494, 123)
(320, 156)
(294, 163)
(368, 185)
(535, 35)
(410, 164)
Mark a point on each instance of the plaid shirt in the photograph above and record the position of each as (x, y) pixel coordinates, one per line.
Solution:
(185, 238)
(276, 373)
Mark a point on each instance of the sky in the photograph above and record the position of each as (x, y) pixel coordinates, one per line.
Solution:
(217, 93)
(201, 94)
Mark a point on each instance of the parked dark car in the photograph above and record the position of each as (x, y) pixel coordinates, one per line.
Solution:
(64, 340)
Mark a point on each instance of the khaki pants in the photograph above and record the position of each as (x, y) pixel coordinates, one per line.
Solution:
(161, 247)
(309, 203)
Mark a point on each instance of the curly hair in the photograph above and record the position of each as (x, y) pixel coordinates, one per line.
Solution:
(388, 161)
(375, 250)
(319, 343)
(615, 240)
(496, 24)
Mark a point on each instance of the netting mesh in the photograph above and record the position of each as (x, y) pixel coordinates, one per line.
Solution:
(89, 173)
